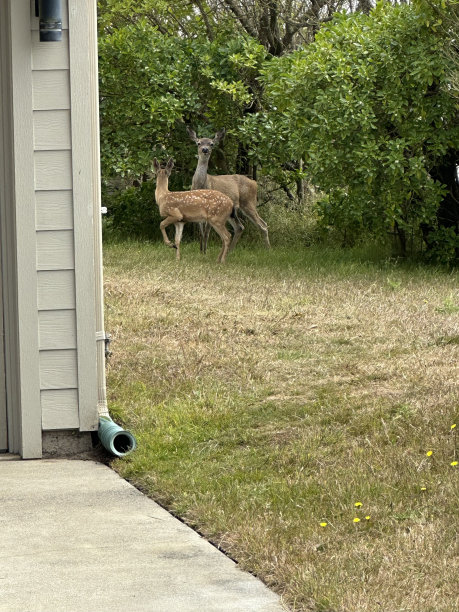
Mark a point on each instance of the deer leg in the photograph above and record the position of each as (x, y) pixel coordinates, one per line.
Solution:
(257, 220)
(205, 236)
(178, 237)
(204, 231)
(202, 246)
(238, 228)
(162, 226)
(226, 239)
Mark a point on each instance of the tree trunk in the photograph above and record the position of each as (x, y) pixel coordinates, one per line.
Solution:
(401, 239)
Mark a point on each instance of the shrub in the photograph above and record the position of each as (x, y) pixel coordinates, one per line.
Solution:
(133, 212)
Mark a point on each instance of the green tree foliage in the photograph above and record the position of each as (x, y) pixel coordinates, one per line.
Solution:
(367, 107)
(162, 63)
(443, 16)
(279, 25)
(152, 84)
(133, 213)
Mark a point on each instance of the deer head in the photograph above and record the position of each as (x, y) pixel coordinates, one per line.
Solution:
(166, 170)
(205, 145)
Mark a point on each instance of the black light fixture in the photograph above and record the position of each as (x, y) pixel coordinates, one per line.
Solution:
(50, 14)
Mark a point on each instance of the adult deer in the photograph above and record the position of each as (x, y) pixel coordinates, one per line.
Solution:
(241, 189)
(202, 206)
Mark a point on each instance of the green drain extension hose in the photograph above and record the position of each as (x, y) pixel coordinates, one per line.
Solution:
(114, 438)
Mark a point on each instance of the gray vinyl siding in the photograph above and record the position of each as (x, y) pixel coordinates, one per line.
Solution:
(56, 81)
(44, 55)
(54, 210)
(20, 283)
(57, 207)
(56, 290)
(60, 405)
(51, 130)
(49, 225)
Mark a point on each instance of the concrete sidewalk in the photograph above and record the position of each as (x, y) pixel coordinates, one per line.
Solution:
(75, 537)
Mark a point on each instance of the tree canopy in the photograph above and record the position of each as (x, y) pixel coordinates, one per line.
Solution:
(368, 107)
(362, 103)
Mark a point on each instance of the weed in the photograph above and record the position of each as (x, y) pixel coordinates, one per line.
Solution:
(449, 306)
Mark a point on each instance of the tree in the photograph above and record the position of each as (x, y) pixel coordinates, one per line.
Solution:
(279, 25)
(152, 84)
(367, 107)
(162, 63)
(443, 15)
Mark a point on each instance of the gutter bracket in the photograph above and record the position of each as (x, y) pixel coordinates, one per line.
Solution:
(103, 336)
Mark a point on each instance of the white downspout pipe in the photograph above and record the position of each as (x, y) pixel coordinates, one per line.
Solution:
(113, 437)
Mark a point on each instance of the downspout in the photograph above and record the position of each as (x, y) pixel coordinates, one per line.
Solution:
(113, 437)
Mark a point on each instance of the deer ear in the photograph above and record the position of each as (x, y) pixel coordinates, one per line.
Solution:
(156, 165)
(219, 135)
(170, 165)
(192, 134)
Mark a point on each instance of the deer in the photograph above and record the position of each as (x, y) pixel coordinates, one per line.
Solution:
(201, 206)
(241, 189)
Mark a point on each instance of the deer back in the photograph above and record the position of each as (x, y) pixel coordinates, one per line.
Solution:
(241, 189)
(195, 206)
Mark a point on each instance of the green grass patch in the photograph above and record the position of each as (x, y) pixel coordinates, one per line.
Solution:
(271, 395)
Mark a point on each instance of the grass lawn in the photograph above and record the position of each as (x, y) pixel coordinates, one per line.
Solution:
(296, 407)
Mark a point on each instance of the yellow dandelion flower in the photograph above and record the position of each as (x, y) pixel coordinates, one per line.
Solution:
(324, 524)
(423, 488)
(356, 520)
(429, 453)
(454, 463)
(358, 504)
(453, 426)
(367, 518)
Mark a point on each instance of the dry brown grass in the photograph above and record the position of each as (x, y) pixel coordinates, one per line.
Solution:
(271, 394)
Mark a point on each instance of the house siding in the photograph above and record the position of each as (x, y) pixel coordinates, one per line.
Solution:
(52, 130)
(54, 227)
(49, 225)
(19, 238)
(67, 363)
